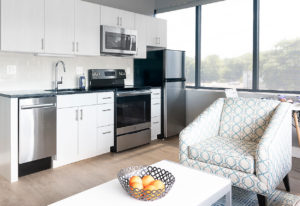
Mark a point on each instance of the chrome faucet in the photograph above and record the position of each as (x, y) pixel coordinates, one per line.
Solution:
(56, 73)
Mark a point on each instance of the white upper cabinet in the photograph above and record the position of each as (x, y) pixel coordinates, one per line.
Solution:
(141, 28)
(87, 28)
(116, 17)
(59, 26)
(156, 32)
(22, 25)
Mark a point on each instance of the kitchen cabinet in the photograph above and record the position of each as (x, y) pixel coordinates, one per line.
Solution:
(87, 28)
(59, 26)
(22, 25)
(156, 32)
(155, 113)
(105, 139)
(67, 136)
(87, 131)
(141, 28)
(116, 17)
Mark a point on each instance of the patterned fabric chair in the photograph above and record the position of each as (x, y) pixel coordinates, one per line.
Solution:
(245, 139)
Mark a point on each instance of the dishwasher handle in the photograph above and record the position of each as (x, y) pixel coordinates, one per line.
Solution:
(39, 106)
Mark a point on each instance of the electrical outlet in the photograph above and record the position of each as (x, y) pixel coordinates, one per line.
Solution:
(11, 69)
(79, 70)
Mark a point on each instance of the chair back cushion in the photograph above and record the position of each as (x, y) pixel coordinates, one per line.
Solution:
(246, 118)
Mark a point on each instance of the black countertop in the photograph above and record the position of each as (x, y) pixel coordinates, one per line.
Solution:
(49, 93)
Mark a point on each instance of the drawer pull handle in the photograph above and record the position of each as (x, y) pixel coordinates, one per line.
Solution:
(106, 98)
(155, 122)
(156, 104)
(106, 132)
(106, 110)
(156, 93)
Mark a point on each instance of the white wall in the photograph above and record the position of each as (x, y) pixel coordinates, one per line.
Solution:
(37, 73)
(199, 99)
(138, 6)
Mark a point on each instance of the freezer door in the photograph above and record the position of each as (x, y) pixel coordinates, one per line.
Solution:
(174, 64)
(174, 108)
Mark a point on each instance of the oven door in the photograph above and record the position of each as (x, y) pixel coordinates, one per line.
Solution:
(118, 40)
(133, 111)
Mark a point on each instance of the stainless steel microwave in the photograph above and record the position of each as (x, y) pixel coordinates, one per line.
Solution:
(118, 41)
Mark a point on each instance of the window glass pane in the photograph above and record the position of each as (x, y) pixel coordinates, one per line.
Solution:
(181, 36)
(226, 46)
(279, 45)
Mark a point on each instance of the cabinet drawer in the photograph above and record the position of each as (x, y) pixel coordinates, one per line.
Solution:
(76, 100)
(155, 127)
(105, 115)
(155, 107)
(105, 139)
(155, 93)
(105, 98)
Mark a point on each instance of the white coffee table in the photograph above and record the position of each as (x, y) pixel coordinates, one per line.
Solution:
(192, 187)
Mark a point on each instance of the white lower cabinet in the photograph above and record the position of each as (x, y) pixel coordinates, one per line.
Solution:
(83, 131)
(87, 131)
(105, 139)
(67, 136)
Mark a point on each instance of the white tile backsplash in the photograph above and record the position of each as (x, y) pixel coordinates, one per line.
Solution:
(37, 72)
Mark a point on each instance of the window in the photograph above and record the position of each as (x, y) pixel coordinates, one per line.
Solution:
(279, 45)
(181, 36)
(226, 44)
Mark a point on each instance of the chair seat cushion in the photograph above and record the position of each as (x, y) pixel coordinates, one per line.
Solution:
(226, 152)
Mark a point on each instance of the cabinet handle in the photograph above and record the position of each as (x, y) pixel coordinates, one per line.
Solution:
(106, 98)
(77, 46)
(159, 40)
(73, 46)
(156, 93)
(118, 21)
(106, 132)
(155, 122)
(156, 104)
(42, 44)
(77, 115)
(121, 21)
(106, 110)
(81, 114)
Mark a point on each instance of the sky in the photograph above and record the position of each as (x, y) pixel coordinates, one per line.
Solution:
(227, 26)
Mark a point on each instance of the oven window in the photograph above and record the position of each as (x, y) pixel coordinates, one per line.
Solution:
(132, 110)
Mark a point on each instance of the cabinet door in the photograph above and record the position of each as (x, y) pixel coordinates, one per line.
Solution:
(152, 32)
(87, 143)
(141, 27)
(67, 136)
(157, 32)
(59, 26)
(162, 32)
(22, 25)
(87, 28)
(105, 115)
(116, 17)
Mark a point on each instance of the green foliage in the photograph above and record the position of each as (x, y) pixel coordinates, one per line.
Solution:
(279, 67)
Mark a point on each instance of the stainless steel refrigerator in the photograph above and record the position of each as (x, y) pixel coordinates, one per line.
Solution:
(165, 69)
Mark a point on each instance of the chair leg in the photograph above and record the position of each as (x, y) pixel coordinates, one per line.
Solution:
(287, 183)
(262, 200)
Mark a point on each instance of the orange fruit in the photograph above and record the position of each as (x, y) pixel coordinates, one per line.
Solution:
(137, 185)
(135, 179)
(159, 185)
(147, 180)
(150, 187)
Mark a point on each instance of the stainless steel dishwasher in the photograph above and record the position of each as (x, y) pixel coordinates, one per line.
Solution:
(37, 128)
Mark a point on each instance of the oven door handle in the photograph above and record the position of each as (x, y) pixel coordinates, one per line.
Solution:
(134, 93)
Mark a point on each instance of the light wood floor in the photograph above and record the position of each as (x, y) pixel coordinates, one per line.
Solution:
(52, 185)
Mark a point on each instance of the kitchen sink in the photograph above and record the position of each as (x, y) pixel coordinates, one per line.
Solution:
(64, 90)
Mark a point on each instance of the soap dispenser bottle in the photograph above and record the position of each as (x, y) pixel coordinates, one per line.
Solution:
(82, 82)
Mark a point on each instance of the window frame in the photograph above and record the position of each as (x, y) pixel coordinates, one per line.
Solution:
(255, 59)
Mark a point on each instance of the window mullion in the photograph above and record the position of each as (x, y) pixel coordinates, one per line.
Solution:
(255, 81)
(198, 47)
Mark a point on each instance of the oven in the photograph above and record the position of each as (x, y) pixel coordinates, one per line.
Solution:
(133, 119)
(118, 41)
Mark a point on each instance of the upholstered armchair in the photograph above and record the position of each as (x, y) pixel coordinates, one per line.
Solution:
(245, 139)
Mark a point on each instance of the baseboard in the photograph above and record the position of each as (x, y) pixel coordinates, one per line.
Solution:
(296, 152)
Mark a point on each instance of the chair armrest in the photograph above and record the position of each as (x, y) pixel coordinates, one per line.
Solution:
(204, 126)
(274, 151)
